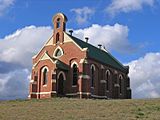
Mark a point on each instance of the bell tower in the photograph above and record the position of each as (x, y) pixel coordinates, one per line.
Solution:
(59, 22)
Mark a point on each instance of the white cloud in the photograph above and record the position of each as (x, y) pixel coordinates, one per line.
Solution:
(112, 37)
(145, 77)
(23, 44)
(14, 85)
(5, 4)
(16, 51)
(126, 6)
(83, 14)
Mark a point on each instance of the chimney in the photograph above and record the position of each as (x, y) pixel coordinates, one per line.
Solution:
(71, 31)
(86, 38)
(100, 46)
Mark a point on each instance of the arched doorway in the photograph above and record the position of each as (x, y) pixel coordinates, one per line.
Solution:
(60, 85)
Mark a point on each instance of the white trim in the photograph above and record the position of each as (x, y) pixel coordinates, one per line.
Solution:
(93, 67)
(84, 61)
(84, 93)
(41, 59)
(71, 94)
(31, 81)
(61, 72)
(97, 96)
(45, 85)
(84, 49)
(102, 67)
(45, 67)
(29, 96)
(54, 81)
(40, 93)
(102, 81)
(59, 14)
(79, 93)
(84, 76)
(43, 47)
(116, 85)
(74, 63)
(53, 91)
(108, 72)
(116, 72)
(74, 85)
(120, 76)
(67, 38)
(92, 87)
(58, 48)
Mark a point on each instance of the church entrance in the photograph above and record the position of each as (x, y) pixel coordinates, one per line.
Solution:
(60, 85)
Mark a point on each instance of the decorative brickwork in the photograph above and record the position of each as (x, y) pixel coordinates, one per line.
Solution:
(98, 73)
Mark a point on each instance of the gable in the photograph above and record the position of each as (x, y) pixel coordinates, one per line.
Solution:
(68, 38)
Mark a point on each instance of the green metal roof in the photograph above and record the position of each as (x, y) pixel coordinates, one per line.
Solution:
(61, 65)
(100, 55)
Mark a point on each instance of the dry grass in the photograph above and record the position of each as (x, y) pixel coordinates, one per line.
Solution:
(74, 109)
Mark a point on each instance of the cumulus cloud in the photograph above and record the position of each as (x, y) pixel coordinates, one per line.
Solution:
(126, 6)
(19, 47)
(83, 14)
(112, 37)
(14, 85)
(4, 5)
(16, 51)
(145, 77)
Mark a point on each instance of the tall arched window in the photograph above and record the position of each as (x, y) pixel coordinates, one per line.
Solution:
(120, 84)
(45, 76)
(107, 80)
(92, 76)
(57, 37)
(75, 74)
(58, 23)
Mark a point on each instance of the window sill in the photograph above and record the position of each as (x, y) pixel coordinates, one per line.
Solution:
(74, 85)
(45, 85)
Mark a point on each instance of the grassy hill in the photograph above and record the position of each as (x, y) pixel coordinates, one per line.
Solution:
(75, 109)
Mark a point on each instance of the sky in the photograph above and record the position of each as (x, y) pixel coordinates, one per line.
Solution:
(128, 29)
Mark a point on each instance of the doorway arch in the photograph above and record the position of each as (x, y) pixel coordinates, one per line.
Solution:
(60, 83)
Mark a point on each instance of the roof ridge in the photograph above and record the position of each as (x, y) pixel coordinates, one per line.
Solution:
(83, 41)
(97, 49)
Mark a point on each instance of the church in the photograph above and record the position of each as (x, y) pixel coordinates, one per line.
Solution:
(67, 66)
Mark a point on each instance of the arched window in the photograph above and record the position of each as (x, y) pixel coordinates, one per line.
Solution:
(58, 23)
(107, 80)
(75, 74)
(58, 52)
(120, 84)
(45, 76)
(92, 75)
(57, 37)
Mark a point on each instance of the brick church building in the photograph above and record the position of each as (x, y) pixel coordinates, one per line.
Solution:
(68, 66)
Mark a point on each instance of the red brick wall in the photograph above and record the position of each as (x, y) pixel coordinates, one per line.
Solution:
(72, 53)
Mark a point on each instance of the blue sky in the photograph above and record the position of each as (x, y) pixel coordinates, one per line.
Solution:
(143, 24)
(130, 30)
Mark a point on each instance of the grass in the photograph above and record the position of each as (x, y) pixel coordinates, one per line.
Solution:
(80, 109)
